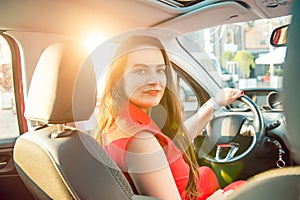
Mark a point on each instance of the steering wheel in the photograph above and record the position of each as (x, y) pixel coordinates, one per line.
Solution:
(219, 143)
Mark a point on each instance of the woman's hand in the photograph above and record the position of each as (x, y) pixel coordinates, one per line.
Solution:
(220, 195)
(196, 123)
(227, 96)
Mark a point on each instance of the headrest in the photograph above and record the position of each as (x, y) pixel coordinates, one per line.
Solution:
(63, 86)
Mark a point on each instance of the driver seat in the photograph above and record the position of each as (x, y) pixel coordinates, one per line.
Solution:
(56, 161)
(282, 183)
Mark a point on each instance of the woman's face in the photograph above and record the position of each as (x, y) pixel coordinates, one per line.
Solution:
(145, 79)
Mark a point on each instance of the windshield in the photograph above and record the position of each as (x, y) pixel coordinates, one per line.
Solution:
(239, 55)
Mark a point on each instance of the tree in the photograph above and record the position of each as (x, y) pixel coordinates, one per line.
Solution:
(5, 78)
(227, 56)
(244, 60)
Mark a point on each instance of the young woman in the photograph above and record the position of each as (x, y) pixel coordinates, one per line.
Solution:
(142, 129)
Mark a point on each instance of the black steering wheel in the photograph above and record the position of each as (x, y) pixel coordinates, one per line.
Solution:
(222, 138)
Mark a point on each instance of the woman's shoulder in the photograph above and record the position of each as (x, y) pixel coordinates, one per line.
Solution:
(143, 141)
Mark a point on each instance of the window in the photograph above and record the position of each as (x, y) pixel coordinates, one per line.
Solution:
(240, 55)
(188, 98)
(8, 115)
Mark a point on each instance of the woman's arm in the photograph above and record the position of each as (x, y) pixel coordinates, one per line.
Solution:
(196, 123)
(149, 169)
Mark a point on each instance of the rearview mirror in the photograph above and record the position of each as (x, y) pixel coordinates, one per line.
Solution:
(279, 35)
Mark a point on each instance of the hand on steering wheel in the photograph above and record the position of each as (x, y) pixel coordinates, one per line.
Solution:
(218, 144)
(227, 96)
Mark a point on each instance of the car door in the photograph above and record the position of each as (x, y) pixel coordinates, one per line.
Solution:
(12, 122)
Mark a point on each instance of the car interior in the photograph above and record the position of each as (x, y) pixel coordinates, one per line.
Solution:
(62, 157)
(56, 74)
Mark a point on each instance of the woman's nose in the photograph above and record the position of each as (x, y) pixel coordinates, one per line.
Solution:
(153, 77)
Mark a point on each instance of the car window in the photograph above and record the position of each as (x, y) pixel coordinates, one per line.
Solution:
(239, 54)
(8, 115)
(188, 98)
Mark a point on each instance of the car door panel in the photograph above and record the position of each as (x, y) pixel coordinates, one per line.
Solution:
(11, 186)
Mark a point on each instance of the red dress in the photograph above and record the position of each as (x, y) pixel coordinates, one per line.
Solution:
(133, 120)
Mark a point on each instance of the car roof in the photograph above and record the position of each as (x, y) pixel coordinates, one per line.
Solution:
(76, 17)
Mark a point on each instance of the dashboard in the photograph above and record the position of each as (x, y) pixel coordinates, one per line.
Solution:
(267, 99)
(270, 103)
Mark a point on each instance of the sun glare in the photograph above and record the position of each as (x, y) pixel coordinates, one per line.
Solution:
(92, 41)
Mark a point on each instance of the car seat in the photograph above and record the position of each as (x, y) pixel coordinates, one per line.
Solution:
(56, 161)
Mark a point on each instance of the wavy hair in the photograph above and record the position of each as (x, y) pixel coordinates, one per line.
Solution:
(109, 106)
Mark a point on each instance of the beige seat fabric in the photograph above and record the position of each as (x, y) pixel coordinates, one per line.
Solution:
(63, 80)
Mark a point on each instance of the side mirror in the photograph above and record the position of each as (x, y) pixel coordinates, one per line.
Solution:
(279, 35)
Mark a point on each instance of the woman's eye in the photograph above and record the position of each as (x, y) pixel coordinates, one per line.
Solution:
(161, 71)
(141, 71)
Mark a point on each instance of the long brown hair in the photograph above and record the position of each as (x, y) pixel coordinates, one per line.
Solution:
(173, 127)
